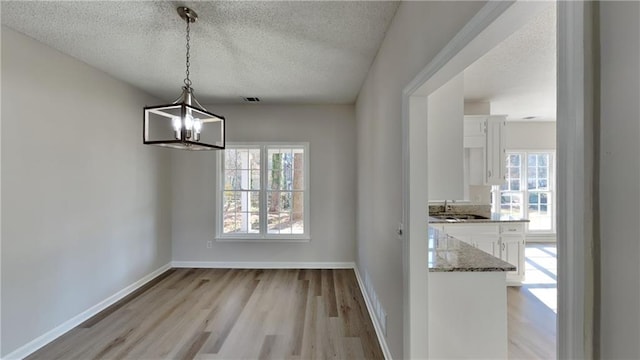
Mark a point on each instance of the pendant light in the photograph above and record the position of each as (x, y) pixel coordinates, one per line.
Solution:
(184, 124)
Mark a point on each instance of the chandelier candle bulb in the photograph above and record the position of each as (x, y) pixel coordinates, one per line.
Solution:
(184, 124)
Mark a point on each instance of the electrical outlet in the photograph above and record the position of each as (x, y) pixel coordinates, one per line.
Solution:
(209, 244)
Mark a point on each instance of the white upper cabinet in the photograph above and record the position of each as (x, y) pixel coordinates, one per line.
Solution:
(484, 145)
(475, 131)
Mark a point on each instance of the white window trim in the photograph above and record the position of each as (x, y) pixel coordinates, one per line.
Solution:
(552, 181)
(263, 236)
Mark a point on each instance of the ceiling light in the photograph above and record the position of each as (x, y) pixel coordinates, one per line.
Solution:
(184, 124)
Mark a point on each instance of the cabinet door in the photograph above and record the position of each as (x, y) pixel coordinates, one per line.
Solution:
(495, 151)
(512, 251)
(488, 244)
(475, 128)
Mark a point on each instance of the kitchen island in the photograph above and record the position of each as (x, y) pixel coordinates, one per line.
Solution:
(467, 300)
(496, 235)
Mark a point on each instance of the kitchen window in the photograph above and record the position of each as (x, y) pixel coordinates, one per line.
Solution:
(263, 192)
(529, 190)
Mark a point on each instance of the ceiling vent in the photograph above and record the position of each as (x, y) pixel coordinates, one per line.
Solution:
(251, 99)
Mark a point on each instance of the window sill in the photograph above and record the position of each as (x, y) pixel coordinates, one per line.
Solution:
(266, 239)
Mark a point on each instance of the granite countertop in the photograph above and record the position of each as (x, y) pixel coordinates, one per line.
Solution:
(495, 218)
(448, 254)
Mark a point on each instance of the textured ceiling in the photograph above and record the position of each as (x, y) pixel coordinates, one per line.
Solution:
(518, 77)
(281, 52)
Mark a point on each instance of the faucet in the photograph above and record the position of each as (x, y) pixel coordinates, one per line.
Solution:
(446, 209)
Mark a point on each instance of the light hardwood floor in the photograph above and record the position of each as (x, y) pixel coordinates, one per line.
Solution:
(532, 321)
(230, 313)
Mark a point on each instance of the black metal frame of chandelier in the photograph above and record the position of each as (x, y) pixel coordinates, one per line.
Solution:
(183, 131)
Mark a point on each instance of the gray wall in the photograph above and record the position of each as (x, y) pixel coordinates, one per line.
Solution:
(525, 135)
(620, 179)
(330, 131)
(85, 206)
(417, 33)
(445, 133)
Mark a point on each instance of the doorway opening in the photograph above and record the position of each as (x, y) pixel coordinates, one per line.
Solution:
(486, 30)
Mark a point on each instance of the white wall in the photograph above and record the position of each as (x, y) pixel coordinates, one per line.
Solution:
(417, 33)
(330, 131)
(525, 135)
(85, 206)
(620, 179)
(445, 115)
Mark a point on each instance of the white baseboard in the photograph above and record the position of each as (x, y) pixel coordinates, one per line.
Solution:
(541, 238)
(376, 324)
(262, 265)
(59, 330)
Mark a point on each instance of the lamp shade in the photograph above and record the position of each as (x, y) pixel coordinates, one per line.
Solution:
(183, 126)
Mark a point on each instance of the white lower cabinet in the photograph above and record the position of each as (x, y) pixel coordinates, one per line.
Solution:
(487, 243)
(505, 241)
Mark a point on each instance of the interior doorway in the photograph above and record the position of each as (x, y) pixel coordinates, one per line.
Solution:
(488, 28)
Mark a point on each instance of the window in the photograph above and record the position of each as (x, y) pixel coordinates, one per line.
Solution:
(529, 190)
(263, 192)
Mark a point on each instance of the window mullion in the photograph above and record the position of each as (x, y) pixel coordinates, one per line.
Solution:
(263, 190)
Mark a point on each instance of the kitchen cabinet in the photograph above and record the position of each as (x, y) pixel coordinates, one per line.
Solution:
(512, 246)
(485, 148)
(488, 243)
(502, 240)
(475, 131)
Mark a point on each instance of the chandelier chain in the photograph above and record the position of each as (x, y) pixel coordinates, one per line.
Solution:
(187, 81)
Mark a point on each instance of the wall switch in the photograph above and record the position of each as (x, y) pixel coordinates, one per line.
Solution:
(209, 244)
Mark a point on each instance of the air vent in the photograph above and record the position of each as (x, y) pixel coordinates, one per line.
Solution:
(251, 99)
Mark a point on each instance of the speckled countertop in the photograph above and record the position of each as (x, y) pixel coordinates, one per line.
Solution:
(495, 218)
(448, 254)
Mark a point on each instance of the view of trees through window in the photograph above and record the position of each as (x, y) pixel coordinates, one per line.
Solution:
(263, 190)
(528, 190)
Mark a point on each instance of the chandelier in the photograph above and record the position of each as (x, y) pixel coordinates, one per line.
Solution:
(184, 124)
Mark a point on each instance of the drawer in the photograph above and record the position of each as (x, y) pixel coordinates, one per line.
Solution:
(471, 229)
(515, 228)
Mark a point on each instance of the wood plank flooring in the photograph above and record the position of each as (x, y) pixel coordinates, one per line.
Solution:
(531, 318)
(532, 326)
(229, 313)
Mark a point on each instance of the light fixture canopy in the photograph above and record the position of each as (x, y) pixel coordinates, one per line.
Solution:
(184, 124)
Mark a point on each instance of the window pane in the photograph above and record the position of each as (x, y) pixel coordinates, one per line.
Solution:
(543, 160)
(255, 180)
(539, 215)
(513, 160)
(242, 159)
(254, 159)
(273, 223)
(255, 223)
(239, 210)
(510, 204)
(229, 158)
(542, 172)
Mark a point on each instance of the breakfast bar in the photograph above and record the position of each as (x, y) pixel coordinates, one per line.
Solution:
(467, 300)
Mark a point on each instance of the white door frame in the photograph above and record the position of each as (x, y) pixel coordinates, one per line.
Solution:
(575, 169)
